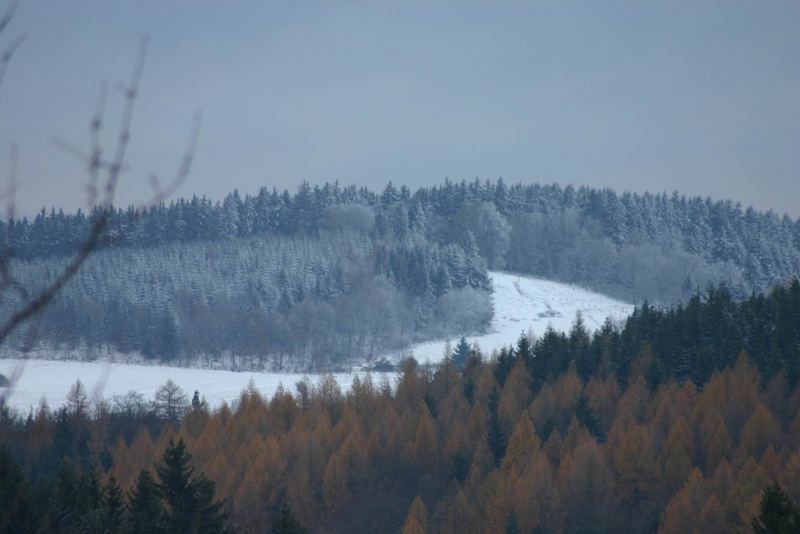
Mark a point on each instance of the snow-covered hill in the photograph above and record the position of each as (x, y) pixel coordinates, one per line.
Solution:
(522, 304)
(525, 304)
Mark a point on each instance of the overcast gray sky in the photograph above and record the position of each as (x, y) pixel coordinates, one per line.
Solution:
(702, 97)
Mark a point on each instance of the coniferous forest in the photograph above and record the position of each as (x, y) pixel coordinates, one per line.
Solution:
(681, 420)
(331, 275)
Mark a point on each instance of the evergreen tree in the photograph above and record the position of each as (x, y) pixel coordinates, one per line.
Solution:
(461, 353)
(588, 418)
(287, 523)
(525, 350)
(495, 436)
(17, 514)
(778, 514)
(113, 508)
(190, 505)
(512, 525)
(145, 514)
(504, 364)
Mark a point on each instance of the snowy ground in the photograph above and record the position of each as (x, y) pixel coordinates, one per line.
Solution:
(52, 379)
(522, 304)
(525, 304)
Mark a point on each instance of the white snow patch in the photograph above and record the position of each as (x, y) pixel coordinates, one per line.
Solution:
(525, 304)
(52, 379)
(521, 304)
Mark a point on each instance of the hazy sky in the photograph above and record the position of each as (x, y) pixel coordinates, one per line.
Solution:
(702, 97)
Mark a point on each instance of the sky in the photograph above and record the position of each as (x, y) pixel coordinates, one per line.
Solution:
(699, 97)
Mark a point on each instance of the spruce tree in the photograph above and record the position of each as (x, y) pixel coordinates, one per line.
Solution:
(16, 507)
(494, 436)
(588, 418)
(190, 505)
(113, 508)
(287, 523)
(778, 514)
(505, 362)
(461, 354)
(145, 515)
(512, 525)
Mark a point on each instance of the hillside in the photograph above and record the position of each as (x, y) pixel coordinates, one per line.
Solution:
(521, 304)
(525, 305)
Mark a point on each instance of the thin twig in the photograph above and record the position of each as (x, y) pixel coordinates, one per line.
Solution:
(104, 204)
(8, 53)
(9, 14)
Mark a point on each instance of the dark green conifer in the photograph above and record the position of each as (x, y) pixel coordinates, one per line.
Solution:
(287, 523)
(778, 515)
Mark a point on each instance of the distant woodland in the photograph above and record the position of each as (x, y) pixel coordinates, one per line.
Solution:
(330, 275)
(682, 420)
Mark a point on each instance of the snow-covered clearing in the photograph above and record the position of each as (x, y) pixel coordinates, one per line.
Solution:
(525, 304)
(52, 379)
(521, 304)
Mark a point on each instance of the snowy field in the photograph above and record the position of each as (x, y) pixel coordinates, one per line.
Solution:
(525, 304)
(52, 379)
(521, 304)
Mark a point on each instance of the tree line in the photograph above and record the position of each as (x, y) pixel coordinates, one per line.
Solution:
(533, 228)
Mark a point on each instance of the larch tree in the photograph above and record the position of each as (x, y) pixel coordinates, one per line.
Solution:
(416, 521)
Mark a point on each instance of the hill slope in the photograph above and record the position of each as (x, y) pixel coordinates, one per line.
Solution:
(532, 305)
(521, 304)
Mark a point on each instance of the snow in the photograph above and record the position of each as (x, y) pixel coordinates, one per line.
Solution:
(522, 304)
(52, 379)
(531, 305)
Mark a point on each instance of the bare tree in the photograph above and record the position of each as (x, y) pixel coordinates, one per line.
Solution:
(103, 175)
(170, 401)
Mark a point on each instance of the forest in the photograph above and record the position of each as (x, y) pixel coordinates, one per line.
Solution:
(330, 275)
(566, 433)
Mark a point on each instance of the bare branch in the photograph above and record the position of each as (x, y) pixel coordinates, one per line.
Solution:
(130, 93)
(95, 161)
(7, 280)
(103, 200)
(8, 52)
(9, 14)
(162, 193)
